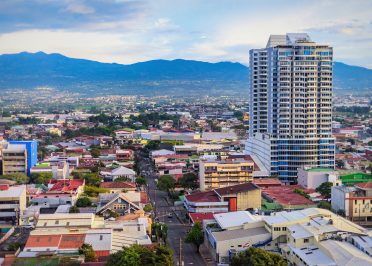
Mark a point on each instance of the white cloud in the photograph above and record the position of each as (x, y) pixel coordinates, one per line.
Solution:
(79, 8)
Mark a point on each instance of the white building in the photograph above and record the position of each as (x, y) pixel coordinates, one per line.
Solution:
(314, 177)
(291, 105)
(121, 171)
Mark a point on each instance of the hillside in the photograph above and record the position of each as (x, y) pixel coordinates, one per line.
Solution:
(28, 70)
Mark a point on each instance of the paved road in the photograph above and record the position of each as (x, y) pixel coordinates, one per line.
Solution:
(176, 229)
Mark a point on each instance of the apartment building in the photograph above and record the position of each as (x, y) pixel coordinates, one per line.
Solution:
(31, 147)
(291, 105)
(214, 174)
(15, 159)
(12, 204)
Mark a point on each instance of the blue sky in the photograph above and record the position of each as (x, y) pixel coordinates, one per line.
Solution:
(128, 31)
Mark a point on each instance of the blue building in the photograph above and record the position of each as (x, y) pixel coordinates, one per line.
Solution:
(31, 147)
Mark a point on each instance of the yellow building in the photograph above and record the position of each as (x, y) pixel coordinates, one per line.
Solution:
(215, 174)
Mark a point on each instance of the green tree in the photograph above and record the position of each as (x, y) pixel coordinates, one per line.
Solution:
(138, 255)
(166, 183)
(83, 202)
(95, 152)
(91, 191)
(92, 179)
(41, 178)
(259, 257)
(88, 252)
(14, 246)
(325, 189)
(74, 209)
(152, 145)
(195, 236)
(161, 231)
(122, 179)
(140, 181)
(18, 177)
(189, 180)
(325, 205)
(148, 208)
(301, 192)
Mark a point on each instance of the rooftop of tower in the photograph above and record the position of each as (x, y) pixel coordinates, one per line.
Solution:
(288, 39)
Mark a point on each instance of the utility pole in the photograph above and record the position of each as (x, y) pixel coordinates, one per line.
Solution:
(180, 257)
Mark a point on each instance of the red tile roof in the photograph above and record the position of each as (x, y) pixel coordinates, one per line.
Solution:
(200, 217)
(66, 185)
(236, 188)
(34, 241)
(365, 185)
(284, 195)
(122, 185)
(209, 196)
(266, 182)
(71, 241)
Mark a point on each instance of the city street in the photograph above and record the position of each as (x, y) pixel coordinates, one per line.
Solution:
(176, 228)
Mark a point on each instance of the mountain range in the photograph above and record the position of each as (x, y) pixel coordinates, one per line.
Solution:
(29, 70)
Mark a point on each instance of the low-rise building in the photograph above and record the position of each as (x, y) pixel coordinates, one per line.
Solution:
(305, 237)
(314, 177)
(115, 187)
(354, 202)
(112, 174)
(228, 199)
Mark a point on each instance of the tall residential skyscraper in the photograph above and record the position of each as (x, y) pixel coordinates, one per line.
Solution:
(291, 105)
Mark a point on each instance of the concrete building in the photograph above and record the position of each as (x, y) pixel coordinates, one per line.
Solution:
(15, 159)
(12, 204)
(31, 147)
(291, 105)
(314, 177)
(215, 174)
(228, 199)
(306, 237)
(354, 202)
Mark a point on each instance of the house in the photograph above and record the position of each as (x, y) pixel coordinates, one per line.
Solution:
(60, 192)
(118, 186)
(12, 204)
(112, 174)
(228, 199)
(115, 202)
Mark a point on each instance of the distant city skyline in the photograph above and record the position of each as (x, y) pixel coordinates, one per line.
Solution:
(125, 31)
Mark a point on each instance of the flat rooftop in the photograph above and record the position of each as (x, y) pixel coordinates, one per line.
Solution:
(241, 233)
(233, 219)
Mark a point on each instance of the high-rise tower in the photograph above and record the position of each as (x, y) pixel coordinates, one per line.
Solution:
(291, 105)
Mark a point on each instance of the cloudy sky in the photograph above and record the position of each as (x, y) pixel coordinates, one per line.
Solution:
(127, 31)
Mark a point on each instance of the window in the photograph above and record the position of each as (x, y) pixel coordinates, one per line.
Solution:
(100, 237)
(306, 240)
(56, 222)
